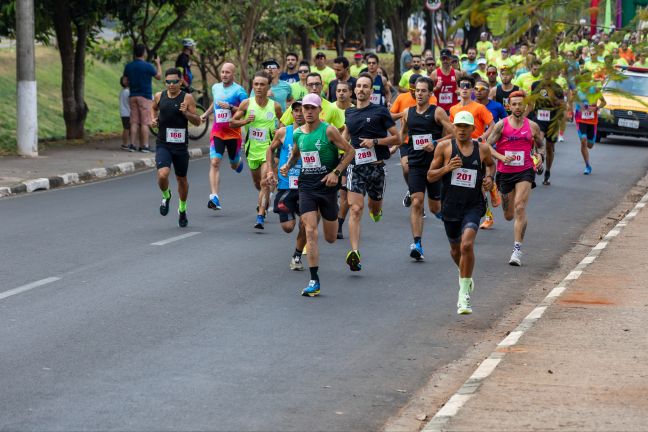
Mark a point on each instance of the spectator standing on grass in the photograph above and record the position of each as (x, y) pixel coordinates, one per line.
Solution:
(406, 57)
(124, 113)
(139, 73)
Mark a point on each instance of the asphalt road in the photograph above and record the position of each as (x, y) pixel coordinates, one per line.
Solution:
(209, 332)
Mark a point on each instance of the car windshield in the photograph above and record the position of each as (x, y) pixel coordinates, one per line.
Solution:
(633, 84)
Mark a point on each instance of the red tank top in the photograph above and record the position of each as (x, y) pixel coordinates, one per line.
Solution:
(447, 94)
(517, 143)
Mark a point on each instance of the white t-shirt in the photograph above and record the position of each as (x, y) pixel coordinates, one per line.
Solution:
(124, 103)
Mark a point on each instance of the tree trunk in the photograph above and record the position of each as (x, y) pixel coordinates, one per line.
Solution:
(429, 31)
(396, 25)
(339, 41)
(75, 109)
(304, 40)
(370, 26)
(471, 37)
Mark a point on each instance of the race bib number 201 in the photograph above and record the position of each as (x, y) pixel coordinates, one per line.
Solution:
(463, 177)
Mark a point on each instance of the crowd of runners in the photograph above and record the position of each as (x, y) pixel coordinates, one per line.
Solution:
(472, 132)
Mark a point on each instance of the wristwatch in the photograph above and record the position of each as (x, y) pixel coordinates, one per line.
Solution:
(375, 141)
(337, 172)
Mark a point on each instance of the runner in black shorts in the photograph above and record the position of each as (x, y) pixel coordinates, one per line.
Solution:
(460, 163)
(371, 131)
(548, 111)
(286, 202)
(172, 109)
(424, 124)
(317, 144)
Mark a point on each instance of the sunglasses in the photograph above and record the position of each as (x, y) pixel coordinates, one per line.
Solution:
(304, 71)
(271, 67)
(371, 63)
(314, 85)
(491, 73)
(430, 64)
(465, 85)
(481, 88)
(172, 81)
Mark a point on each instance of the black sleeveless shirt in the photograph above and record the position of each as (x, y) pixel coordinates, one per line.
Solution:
(460, 197)
(422, 124)
(170, 117)
(502, 96)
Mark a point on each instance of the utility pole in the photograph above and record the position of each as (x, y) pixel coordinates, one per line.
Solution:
(27, 114)
(370, 26)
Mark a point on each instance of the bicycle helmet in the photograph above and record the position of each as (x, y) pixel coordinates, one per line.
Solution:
(188, 42)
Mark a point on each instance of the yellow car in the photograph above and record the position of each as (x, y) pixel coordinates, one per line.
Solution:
(623, 115)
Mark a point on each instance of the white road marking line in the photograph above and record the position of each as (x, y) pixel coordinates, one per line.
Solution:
(176, 238)
(459, 399)
(28, 287)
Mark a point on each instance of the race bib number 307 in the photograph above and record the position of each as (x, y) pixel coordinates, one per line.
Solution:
(463, 177)
(222, 115)
(175, 135)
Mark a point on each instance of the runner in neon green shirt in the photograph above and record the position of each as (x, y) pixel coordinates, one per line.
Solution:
(328, 113)
(259, 116)
(417, 68)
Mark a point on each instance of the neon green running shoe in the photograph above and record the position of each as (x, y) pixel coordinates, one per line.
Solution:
(376, 218)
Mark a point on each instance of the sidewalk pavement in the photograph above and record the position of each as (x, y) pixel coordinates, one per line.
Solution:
(579, 361)
(66, 164)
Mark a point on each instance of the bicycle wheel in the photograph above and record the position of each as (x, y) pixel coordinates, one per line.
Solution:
(197, 132)
(153, 130)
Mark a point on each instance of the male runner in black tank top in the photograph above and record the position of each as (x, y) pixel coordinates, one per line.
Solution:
(172, 109)
(425, 124)
(502, 92)
(461, 163)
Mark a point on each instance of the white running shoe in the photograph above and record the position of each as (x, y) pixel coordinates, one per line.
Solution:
(516, 258)
(464, 306)
(296, 263)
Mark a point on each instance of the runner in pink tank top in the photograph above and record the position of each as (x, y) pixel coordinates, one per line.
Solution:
(518, 144)
(516, 139)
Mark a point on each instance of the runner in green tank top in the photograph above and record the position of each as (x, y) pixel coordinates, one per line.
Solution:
(259, 116)
(317, 144)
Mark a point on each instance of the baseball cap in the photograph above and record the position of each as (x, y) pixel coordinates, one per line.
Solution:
(296, 104)
(414, 77)
(481, 60)
(358, 55)
(505, 50)
(312, 99)
(320, 55)
(188, 42)
(445, 52)
(271, 61)
(464, 117)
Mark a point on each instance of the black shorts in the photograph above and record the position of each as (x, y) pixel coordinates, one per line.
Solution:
(167, 154)
(404, 150)
(454, 229)
(367, 179)
(587, 131)
(324, 201)
(417, 182)
(506, 181)
(286, 204)
(217, 148)
(544, 127)
(126, 122)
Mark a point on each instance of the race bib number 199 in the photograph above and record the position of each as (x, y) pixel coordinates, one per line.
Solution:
(463, 177)
(311, 159)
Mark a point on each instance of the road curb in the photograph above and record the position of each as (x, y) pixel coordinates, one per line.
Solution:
(93, 174)
(471, 386)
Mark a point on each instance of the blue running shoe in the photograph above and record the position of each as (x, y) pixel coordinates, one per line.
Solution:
(239, 168)
(312, 290)
(214, 203)
(259, 222)
(416, 251)
(588, 170)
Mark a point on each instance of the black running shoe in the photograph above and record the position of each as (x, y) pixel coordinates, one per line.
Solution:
(182, 219)
(164, 207)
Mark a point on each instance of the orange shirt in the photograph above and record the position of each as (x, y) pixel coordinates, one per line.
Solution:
(628, 55)
(480, 113)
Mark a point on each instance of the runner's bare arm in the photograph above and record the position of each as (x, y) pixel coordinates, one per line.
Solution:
(292, 160)
(492, 93)
(207, 112)
(393, 139)
(442, 118)
(489, 130)
(237, 120)
(274, 145)
(494, 136)
(188, 109)
(603, 102)
(403, 123)
(278, 111)
(538, 141)
(155, 109)
(487, 159)
(336, 138)
(440, 164)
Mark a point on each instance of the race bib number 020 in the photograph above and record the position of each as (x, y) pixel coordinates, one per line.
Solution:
(463, 177)
(365, 156)
(222, 115)
(175, 135)
(311, 159)
(418, 141)
(258, 134)
(518, 157)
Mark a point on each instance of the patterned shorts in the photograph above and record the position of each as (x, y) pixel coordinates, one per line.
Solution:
(367, 179)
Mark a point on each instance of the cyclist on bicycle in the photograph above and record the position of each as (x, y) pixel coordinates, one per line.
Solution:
(183, 62)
